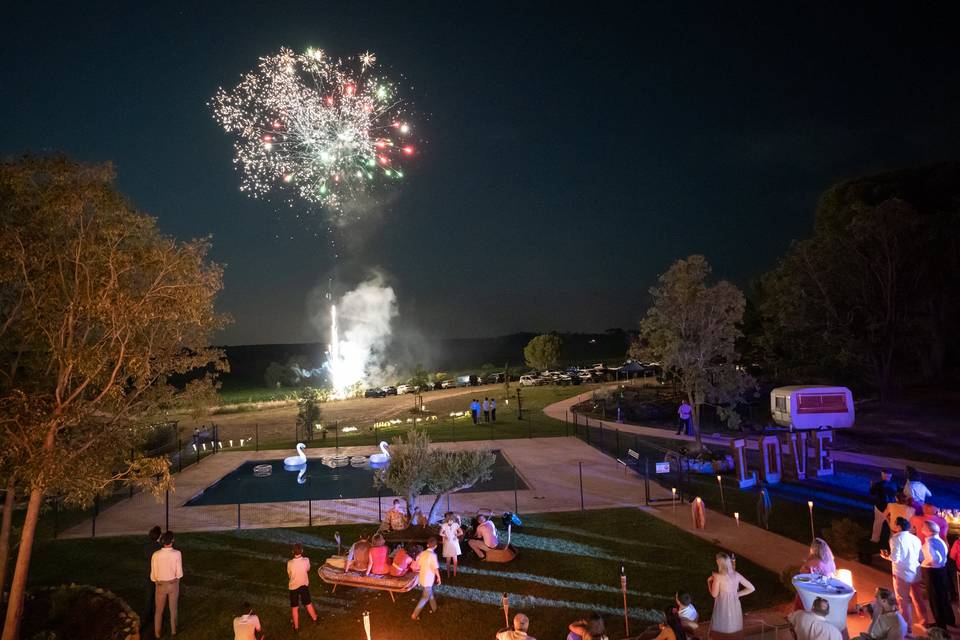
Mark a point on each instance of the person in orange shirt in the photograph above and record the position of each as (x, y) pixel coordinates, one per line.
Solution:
(379, 563)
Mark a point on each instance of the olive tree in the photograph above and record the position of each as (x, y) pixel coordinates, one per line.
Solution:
(542, 352)
(105, 323)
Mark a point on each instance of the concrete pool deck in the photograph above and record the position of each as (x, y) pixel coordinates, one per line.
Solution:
(550, 467)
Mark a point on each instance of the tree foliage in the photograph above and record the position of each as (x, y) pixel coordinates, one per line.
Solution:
(691, 329)
(542, 352)
(873, 296)
(308, 411)
(415, 469)
(101, 314)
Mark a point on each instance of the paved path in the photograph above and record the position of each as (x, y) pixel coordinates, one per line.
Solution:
(563, 411)
(767, 549)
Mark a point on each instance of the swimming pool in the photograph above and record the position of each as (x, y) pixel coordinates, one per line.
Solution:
(320, 482)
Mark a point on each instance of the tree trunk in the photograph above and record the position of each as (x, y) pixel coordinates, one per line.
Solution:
(433, 507)
(11, 626)
(5, 536)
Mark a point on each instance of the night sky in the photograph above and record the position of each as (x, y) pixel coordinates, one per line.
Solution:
(569, 156)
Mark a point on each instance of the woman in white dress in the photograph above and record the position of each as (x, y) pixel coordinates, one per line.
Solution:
(724, 586)
(450, 533)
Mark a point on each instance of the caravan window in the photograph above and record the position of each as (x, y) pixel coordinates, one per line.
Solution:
(822, 403)
(780, 403)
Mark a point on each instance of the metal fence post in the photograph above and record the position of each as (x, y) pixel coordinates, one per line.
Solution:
(580, 465)
(646, 481)
(516, 504)
(618, 442)
(587, 429)
(167, 507)
(309, 513)
(238, 514)
(336, 434)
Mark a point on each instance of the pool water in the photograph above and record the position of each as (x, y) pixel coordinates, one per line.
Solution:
(321, 482)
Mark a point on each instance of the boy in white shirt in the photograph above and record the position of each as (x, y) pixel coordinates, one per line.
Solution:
(429, 576)
(246, 626)
(298, 574)
(687, 612)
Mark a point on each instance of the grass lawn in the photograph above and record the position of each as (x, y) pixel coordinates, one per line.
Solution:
(568, 563)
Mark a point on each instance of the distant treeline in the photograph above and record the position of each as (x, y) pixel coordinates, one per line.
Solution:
(249, 362)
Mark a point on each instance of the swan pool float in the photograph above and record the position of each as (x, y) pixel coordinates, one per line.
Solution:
(380, 459)
(293, 463)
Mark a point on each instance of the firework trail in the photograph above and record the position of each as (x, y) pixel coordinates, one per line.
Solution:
(310, 126)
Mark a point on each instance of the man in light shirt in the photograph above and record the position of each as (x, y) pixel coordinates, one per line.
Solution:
(298, 583)
(933, 567)
(886, 622)
(486, 409)
(485, 537)
(684, 413)
(904, 556)
(813, 625)
(246, 626)
(519, 632)
(429, 576)
(166, 569)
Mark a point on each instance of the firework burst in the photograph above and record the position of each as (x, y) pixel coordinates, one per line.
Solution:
(318, 128)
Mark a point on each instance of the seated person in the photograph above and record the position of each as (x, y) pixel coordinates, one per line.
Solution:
(396, 518)
(358, 559)
(519, 632)
(484, 537)
(813, 625)
(592, 628)
(418, 519)
(689, 618)
(379, 563)
(671, 629)
(403, 560)
(886, 622)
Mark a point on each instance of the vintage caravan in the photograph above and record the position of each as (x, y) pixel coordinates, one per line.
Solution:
(812, 407)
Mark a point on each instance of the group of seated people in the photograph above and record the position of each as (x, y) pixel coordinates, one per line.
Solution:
(590, 628)
(481, 539)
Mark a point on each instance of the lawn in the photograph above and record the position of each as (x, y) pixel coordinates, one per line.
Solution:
(568, 563)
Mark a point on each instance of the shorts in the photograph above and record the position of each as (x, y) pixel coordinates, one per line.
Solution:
(300, 595)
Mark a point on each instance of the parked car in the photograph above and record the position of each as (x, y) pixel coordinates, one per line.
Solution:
(374, 393)
(449, 384)
(439, 385)
(494, 378)
(390, 391)
(404, 388)
(529, 381)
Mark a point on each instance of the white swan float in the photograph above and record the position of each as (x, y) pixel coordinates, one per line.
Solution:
(293, 463)
(380, 459)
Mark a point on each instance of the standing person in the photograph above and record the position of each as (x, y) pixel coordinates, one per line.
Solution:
(150, 546)
(764, 507)
(724, 585)
(928, 514)
(882, 492)
(486, 409)
(916, 491)
(899, 509)
(246, 626)
(904, 557)
(475, 411)
(493, 409)
(934, 570)
(485, 537)
(450, 534)
(820, 559)
(298, 584)
(684, 413)
(429, 576)
(519, 632)
(166, 569)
